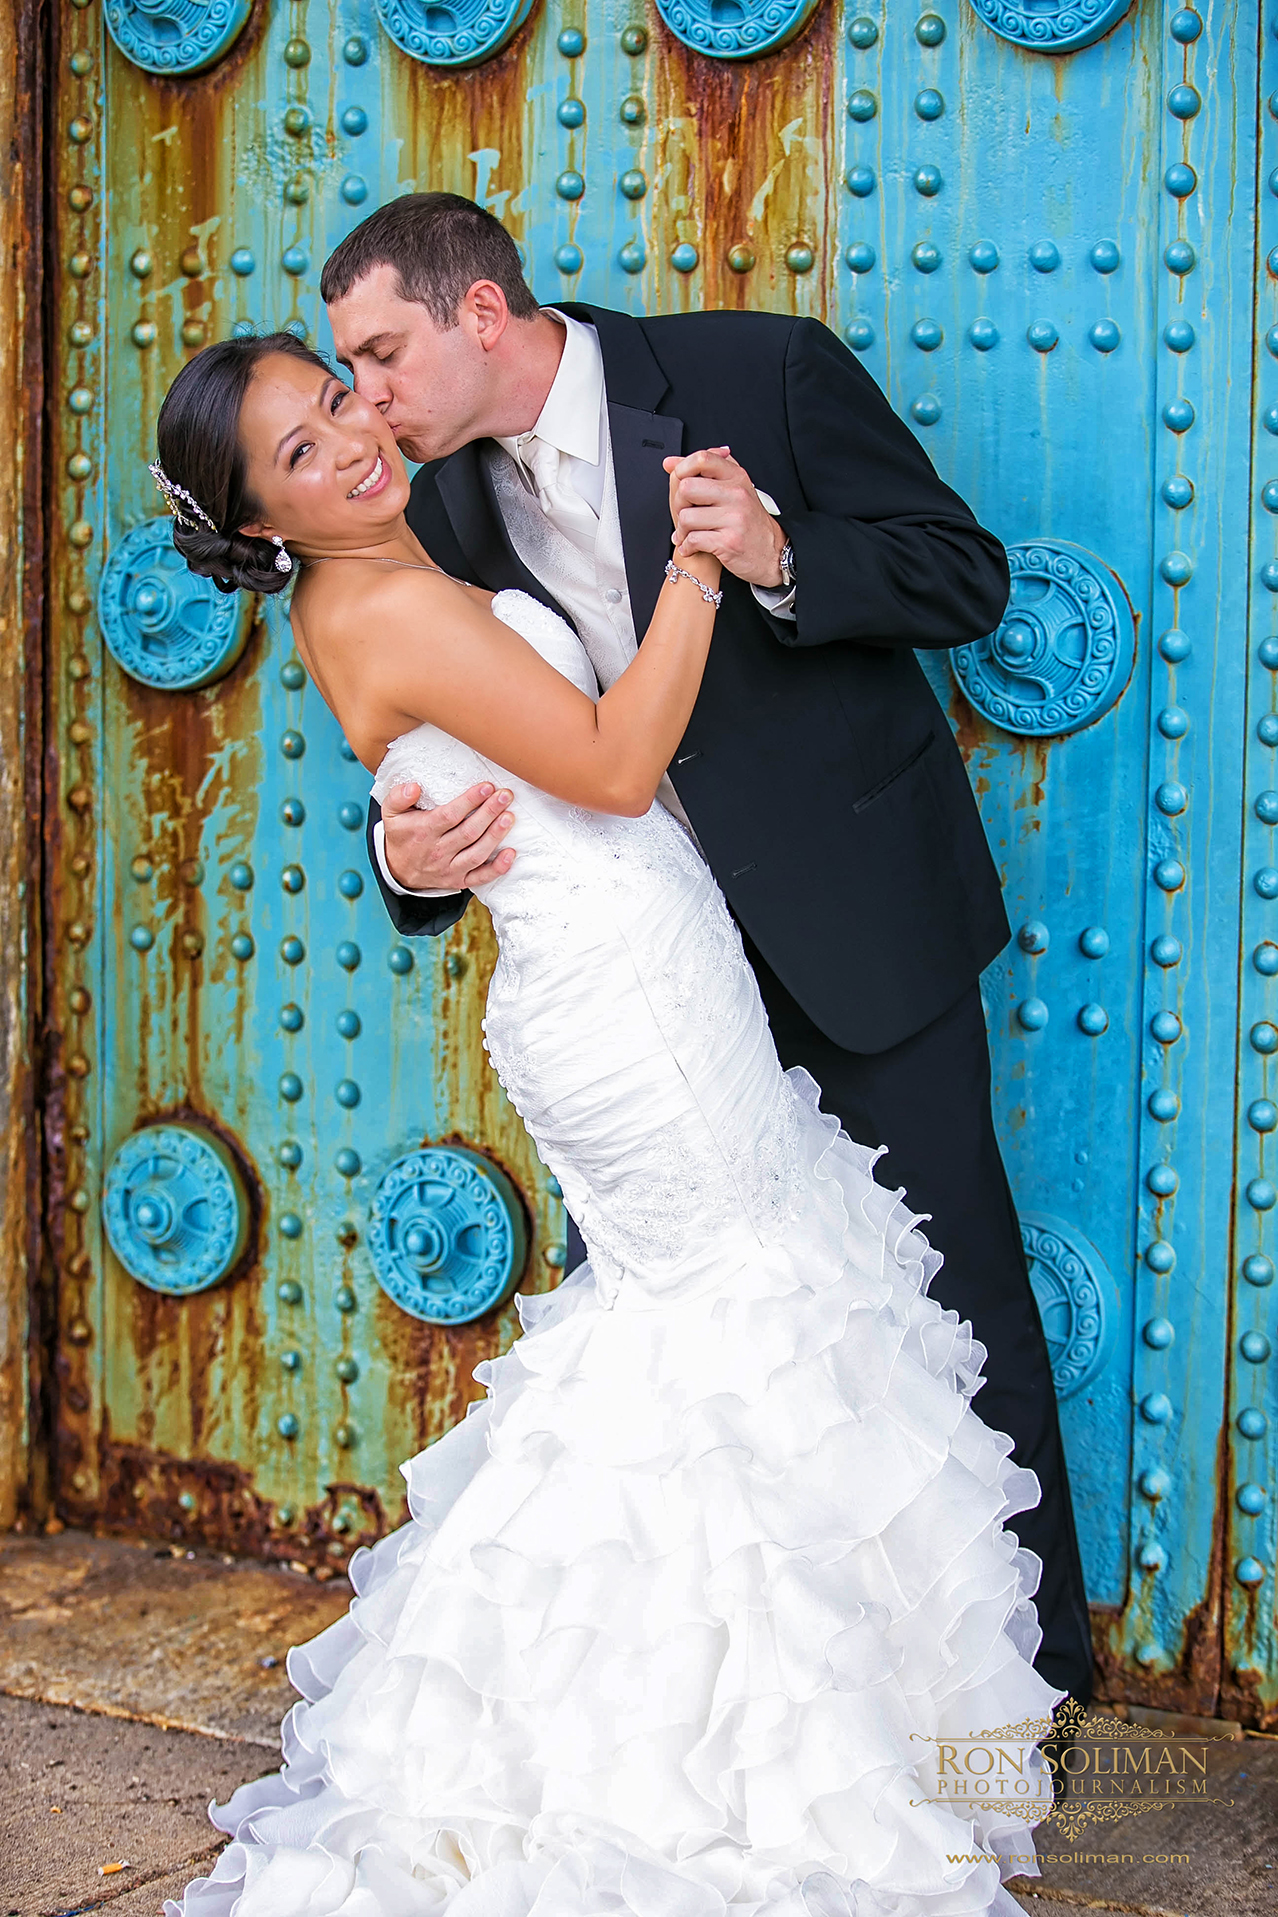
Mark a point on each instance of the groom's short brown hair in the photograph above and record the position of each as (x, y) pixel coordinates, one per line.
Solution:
(439, 244)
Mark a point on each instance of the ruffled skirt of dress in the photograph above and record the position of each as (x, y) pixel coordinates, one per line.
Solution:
(680, 1614)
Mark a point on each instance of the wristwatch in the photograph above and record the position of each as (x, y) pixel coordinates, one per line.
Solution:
(786, 563)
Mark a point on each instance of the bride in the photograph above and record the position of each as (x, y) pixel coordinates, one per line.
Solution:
(689, 1609)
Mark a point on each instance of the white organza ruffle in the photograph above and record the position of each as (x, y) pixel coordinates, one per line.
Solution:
(679, 1614)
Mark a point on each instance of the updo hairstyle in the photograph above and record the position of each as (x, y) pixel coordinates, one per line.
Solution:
(198, 438)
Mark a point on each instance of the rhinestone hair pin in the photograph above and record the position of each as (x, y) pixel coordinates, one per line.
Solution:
(178, 500)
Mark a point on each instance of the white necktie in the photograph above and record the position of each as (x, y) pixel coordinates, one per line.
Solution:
(558, 498)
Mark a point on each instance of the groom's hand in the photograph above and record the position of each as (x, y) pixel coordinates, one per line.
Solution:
(449, 848)
(717, 510)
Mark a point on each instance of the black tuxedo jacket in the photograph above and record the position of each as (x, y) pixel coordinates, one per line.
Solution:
(818, 769)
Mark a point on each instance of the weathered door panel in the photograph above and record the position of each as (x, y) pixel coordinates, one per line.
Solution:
(1043, 251)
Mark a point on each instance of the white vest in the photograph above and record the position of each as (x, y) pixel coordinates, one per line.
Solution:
(590, 586)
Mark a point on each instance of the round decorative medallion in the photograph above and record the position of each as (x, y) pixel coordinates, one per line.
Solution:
(1065, 650)
(163, 624)
(736, 29)
(175, 1209)
(447, 1234)
(1071, 1285)
(175, 36)
(1051, 26)
(459, 34)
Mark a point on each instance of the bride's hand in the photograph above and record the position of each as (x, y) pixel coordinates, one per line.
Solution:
(713, 463)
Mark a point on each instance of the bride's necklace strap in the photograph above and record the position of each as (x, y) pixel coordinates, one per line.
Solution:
(378, 559)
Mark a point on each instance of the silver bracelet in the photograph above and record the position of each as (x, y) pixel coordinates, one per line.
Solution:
(677, 572)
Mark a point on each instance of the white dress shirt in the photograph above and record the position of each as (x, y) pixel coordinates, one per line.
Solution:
(567, 499)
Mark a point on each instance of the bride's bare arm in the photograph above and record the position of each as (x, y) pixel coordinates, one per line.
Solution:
(438, 654)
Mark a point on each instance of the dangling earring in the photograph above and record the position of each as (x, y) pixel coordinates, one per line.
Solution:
(283, 560)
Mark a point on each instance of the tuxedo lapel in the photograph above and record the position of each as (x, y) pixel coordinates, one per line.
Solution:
(636, 384)
(471, 506)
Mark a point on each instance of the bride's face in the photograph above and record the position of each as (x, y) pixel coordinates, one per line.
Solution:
(322, 462)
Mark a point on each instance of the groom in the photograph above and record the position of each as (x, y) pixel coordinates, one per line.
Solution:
(818, 773)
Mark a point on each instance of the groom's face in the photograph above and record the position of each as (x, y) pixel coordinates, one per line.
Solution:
(431, 384)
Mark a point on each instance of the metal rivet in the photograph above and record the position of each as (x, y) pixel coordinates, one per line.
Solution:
(800, 257)
(292, 744)
(354, 189)
(291, 1360)
(1148, 1654)
(1105, 336)
(1185, 25)
(1180, 180)
(1044, 256)
(571, 112)
(983, 257)
(1034, 937)
(78, 1065)
(633, 183)
(927, 334)
(1156, 1408)
(1032, 1014)
(1162, 1181)
(1042, 335)
(1151, 1557)
(741, 259)
(1179, 257)
(79, 1000)
(1258, 1270)
(859, 180)
(295, 260)
(400, 959)
(347, 1162)
(570, 185)
(1250, 1499)
(292, 878)
(350, 884)
(297, 53)
(859, 335)
(141, 263)
(1094, 1020)
(1173, 645)
(80, 333)
(1262, 1194)
(862, 105)
(862, 32)
(297, 191)
(929, 104)
(1252, 1422)
(348, 955)
(1166, 1027)
(292, 950)
(1093, 942)
(142, 938)
(1173, 722)
(634, 40)
(571, 43)
(633, 110)
(684, 257)
(1178, 335)
(192, 942)
(80, 129)
(290, 1087)
(1184, 101)
(287, 1425)
(344, 1435)
(292, 1017)
(929, 30)
(632, 258)
(556, 1256)
(290, 1154)
(1266, 882)
(80, 533)
(241, 875)
(860, 257)
(243, 261)
(1249, 1571)
(350, 815)
(354, 121)
(290, 1225)
(344, 1298)
(1105, 256)
(925, 410)
(983, 334)
(289, 1292)
(144, 333)
(1164, 1105)
(347, 1093)
(1169, 875)
(80, 265)
(925, 256)
(242, 946)
(1154, 1484)
(80, 198)
(355, 50)
(1178, 415)
(928, 181)
(568, 258)
(292, 812)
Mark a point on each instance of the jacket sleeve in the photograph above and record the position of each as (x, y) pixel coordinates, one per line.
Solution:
(885, 553)
(412, 917)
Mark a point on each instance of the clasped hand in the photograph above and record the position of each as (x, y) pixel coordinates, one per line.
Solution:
(452, 847)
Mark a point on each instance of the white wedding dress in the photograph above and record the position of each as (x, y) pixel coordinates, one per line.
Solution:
(684, 1604)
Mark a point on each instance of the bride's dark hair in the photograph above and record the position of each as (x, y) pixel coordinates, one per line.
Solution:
(198, 438)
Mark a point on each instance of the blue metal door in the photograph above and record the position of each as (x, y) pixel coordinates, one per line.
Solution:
(285, 1164)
